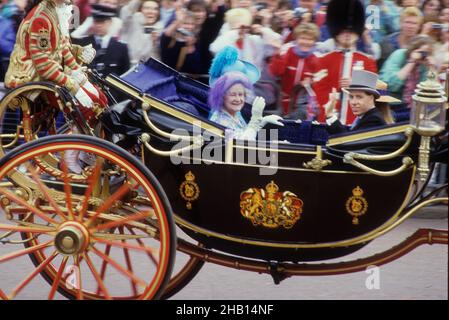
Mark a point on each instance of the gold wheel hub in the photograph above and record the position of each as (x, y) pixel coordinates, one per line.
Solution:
(72, 238)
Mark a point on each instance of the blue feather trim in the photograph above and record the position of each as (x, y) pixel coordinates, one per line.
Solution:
(225, 57)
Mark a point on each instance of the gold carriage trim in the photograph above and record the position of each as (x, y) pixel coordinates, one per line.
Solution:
(356, 205)
(189, 189)
(271, 208)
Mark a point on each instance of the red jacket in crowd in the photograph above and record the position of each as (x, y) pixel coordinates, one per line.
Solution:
(329, 72)
(292, 69)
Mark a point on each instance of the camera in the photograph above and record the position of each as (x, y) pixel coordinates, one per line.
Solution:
(440, 26)
(299, 12)
(184, 32)
(148, 29)
(257, 20)
(423, 54)
(260, 5)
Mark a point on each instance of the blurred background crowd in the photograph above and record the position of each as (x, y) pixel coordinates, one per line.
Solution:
(278, 36)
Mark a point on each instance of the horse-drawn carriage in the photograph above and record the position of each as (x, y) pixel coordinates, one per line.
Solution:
(155, 166)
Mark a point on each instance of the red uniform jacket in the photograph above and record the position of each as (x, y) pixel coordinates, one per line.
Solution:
(329, 73)
(291, 69)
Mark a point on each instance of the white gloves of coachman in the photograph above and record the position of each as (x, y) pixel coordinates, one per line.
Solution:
(257, 121)
(83, 98)
(88, 54)
(79, 76)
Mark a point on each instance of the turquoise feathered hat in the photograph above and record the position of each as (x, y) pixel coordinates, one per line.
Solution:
(227, 60)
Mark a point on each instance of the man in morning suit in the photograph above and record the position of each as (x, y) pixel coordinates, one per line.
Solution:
(362, 95)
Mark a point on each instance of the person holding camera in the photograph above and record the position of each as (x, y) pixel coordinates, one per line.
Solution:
(253, 41)
(185, 41)
(141, 29)
(178, 43)
(405, 68)
(296, 65)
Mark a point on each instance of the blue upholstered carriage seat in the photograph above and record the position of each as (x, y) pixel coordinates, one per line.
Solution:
(303, 133)
(166, 84)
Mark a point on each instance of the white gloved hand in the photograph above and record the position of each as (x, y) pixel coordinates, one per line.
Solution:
(83, 98)
(79, 76)
(88, 54)
(258, 107)
(273, 119)
(254, 125)
(329, 107)
(90, 88)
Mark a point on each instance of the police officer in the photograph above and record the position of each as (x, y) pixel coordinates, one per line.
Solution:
(112, 55)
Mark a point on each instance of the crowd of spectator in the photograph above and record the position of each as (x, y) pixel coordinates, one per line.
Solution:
(285, 39)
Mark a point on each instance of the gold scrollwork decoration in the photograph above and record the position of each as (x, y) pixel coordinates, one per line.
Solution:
(189, 189)
(270, 208)
(356, 205)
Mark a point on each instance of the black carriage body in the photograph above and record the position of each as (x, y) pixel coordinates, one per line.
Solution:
(339, 208)
(325, 227)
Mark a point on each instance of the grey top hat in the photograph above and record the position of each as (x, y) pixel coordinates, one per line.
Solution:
(363, 80)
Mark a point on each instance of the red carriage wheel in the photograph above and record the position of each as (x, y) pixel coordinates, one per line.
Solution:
(92, 240)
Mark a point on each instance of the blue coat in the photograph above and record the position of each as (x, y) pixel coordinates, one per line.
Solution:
(7, 37)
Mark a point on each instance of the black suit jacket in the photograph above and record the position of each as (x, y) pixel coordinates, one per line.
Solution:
(113, 59)
(372, 118)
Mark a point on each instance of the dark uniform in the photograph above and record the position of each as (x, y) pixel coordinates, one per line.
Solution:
(112, 59)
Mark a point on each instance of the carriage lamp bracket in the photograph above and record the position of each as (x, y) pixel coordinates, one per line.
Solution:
(317, 163)
(350, 158)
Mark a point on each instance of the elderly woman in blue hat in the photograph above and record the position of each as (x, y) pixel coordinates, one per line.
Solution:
(231, 81)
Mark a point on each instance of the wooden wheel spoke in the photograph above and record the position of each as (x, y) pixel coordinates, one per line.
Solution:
(128, 261)
(3, 296)
(149, 254)
(109, 202)
(67, 188)
(109, 236)
(25, 228)
(93, 179)
(44, 189)
(104, 266)
(122, 222)
(133, 277)
(146, 227)
(22, 202)
(22, 252)
(58, 278)
(126, 245)
(97, 277)
(79, 293)
(33, 274)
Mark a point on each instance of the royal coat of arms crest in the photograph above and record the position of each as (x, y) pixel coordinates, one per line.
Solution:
(271, 208)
